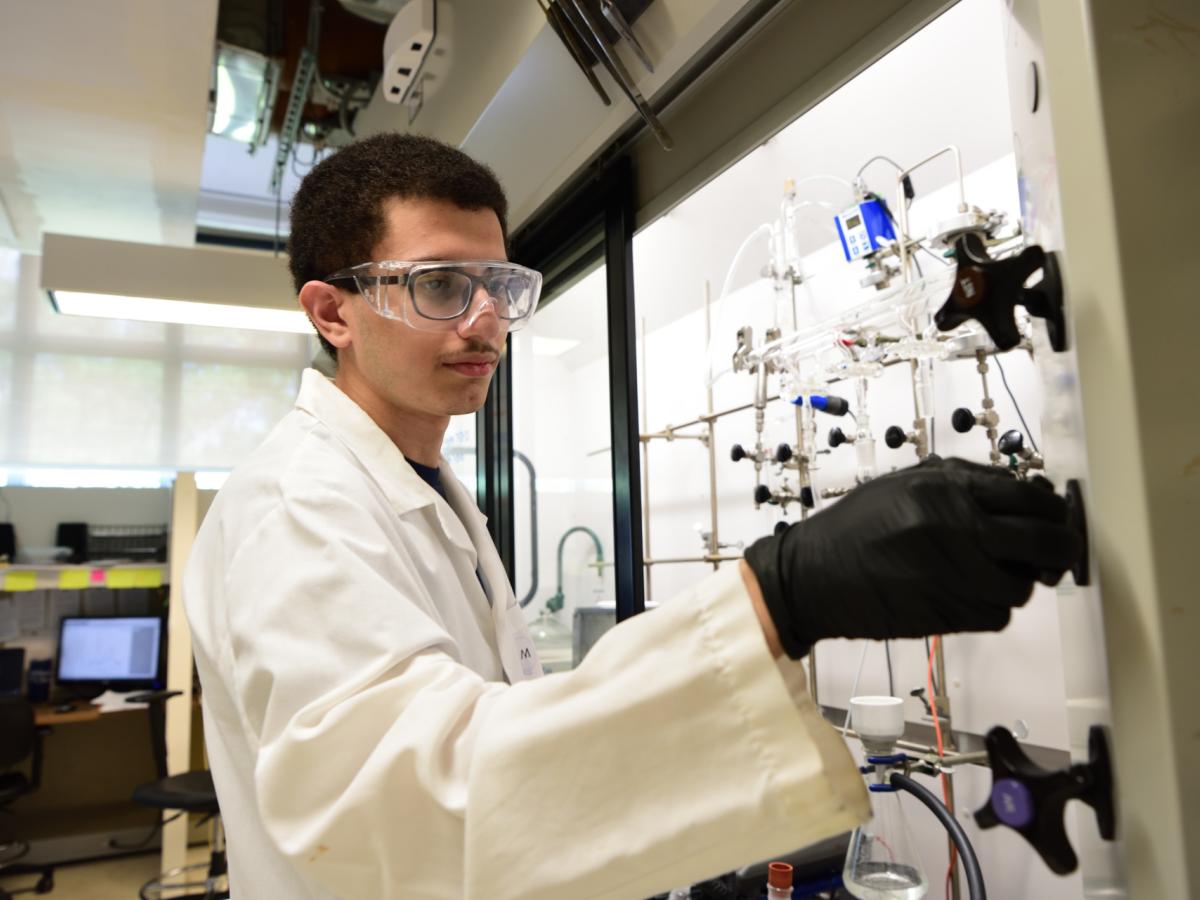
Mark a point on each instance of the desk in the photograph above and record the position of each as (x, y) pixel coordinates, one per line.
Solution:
(47, 714)
(91, 764)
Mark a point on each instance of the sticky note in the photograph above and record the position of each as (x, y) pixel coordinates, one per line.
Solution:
(147, 578)
(73, 579)
(98, 578)
(120, 578)
(20, 581)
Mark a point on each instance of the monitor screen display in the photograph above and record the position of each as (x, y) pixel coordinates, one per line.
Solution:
(109, 649)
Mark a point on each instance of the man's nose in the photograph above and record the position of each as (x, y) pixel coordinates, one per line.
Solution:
(482, 318)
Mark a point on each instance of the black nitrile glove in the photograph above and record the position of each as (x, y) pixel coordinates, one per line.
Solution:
(943, 546)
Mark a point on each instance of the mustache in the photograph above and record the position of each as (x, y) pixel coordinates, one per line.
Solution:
(477, 345)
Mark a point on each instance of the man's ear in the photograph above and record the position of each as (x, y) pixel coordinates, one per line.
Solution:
(325, 304)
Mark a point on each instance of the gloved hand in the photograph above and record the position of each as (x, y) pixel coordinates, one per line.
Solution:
(944, 546)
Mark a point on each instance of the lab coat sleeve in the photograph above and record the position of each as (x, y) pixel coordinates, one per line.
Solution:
(385, 769)
(678, 750)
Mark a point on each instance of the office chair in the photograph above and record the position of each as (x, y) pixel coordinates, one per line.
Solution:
(19, 740)
(186, 792)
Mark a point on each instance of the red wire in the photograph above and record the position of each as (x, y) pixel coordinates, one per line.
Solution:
(937, 728)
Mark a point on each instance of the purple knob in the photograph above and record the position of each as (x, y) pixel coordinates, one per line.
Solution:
(1012, 802)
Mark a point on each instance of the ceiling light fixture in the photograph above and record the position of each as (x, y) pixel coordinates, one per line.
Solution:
(245, 85)
(198, 285)
(179, 312)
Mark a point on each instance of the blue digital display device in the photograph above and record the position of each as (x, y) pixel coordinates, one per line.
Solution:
(862, 227)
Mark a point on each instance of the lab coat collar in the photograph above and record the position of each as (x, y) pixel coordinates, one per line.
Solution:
(405, 489)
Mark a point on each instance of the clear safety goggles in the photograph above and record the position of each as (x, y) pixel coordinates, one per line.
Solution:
(433, 296)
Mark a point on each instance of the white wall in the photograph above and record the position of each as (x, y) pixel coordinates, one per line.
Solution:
(36, 512)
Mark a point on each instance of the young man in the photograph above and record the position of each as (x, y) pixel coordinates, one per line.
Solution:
(374, 722)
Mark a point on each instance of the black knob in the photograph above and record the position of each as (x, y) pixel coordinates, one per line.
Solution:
(1032, 800)
(762, 494)
(895, 437)
(1011, 443)
(987, 290)
(837, 437)
(737, 452)
(963, 420)
(806, 498)
(782, 525)
(783, 453)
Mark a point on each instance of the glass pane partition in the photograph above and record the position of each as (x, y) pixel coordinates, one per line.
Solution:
(562, 474)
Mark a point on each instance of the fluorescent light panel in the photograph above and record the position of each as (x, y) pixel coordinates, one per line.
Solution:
(180, 312)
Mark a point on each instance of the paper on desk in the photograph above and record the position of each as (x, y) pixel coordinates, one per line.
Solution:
(31, 612)
(8, 621)
(114, 701)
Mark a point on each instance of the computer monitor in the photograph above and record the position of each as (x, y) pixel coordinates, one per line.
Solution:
(119, 652)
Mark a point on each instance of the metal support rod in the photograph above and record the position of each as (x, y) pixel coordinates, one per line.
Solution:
(981, 366)
(668, 434)
(714, 544)
(713, 558)
(760, 418)
(711, 417)
(922, 435)
(645, 439)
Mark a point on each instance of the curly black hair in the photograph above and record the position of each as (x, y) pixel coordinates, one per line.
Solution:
(337, 215)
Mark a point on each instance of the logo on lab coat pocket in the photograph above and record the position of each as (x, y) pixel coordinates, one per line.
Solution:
(527, 661)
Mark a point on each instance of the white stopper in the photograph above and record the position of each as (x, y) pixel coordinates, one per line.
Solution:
(879, 720)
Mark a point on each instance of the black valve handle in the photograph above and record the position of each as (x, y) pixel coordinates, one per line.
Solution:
(762, 494)
(1032, 800)
(895, 437)
(988, 290)
(1011, 443)
(837, 437)
(962, 420)
(737, 452)
(783, 453)
(807, 499)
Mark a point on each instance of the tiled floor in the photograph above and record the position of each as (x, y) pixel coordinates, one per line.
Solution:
(110, 879)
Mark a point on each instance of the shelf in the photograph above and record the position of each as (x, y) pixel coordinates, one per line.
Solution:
(16, 579)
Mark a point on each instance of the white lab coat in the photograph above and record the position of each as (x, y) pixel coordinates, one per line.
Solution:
(366, 741)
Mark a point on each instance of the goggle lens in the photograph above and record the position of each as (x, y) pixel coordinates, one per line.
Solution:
(446, 294)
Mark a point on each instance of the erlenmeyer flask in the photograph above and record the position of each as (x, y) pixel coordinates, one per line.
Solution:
(881, 863)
